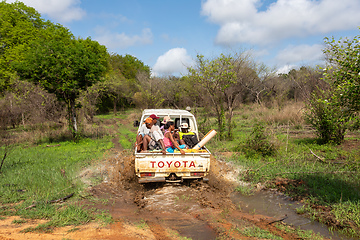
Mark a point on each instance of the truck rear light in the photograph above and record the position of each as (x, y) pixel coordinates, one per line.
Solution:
(147, 174)
(197, 174)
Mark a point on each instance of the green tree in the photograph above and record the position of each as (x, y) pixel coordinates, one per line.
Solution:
(19, 25)
(149, 94)
(344, 69)
(244, 82)
(63, 65)
(331, 111)
(123, 81)
(215, 76)
(129, 66)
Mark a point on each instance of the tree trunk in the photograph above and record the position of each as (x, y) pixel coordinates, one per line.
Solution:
(72, 117)
(229, 133)
(115, 111)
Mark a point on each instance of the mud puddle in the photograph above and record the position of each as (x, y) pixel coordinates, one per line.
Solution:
(280, 206)
(178, 206)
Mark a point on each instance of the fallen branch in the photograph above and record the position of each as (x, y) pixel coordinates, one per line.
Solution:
(280, 220)
(57, 145)
(52, 201)
(320, 158)
(62, 199)
(31, 206)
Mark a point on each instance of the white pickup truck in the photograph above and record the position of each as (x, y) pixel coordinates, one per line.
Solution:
(153, 166)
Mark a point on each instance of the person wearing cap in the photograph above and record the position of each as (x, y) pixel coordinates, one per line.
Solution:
(165, 120)
(153, 141)
(143, 130)
(154, 117)
(185, 132)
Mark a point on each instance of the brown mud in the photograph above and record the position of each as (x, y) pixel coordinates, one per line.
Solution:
(191, 210)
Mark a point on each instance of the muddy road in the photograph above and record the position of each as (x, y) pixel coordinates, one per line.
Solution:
(191, 210)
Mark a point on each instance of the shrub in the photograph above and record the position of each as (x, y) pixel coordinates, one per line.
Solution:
(260, 141)
(328, 118)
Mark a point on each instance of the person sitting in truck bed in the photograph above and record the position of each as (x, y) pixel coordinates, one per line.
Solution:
(188, 138)
(144, 131)
(153, 141)
(163, 123)
(170, 143)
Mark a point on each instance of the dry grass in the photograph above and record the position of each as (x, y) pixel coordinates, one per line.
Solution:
(290, 114)
(51, 132)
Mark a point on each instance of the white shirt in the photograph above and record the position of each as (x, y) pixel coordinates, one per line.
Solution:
(156, 133)
(143, 129)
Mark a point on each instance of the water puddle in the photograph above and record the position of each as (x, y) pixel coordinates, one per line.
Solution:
(191, 228)
(172, 202)
(280, 206)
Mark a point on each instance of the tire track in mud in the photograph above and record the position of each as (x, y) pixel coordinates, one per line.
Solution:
(195, 210)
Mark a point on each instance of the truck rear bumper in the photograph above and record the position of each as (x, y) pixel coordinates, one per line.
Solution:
(163, 179)
(151, 179)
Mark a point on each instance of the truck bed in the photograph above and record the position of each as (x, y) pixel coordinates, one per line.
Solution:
(153, 166)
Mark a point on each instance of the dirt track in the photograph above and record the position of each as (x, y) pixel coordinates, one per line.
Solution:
(193, 210)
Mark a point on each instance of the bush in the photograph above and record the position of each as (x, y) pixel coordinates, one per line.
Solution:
(328, 118)
(28, 104)
(260, 141)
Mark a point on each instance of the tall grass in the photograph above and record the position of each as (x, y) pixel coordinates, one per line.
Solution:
(33, 176)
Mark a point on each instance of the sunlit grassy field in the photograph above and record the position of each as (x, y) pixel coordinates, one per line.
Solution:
(320, 175)
(44, 165)
(33, 176)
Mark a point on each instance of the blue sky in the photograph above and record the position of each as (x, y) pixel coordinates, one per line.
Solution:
(168, 34)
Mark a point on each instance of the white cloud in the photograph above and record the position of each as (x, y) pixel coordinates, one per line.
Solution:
(296, 54)
(285, 69)
(293, 57)
(121, 40)
(241, 21)
(175, 60)
(61, 10)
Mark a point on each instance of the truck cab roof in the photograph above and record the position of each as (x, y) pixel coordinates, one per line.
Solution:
(166, 112)
(178, 115)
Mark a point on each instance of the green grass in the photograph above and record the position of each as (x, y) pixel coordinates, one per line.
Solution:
(35, 175)
(20, 221)
(127, 135)
(41, 173)
(120, 114)
(258, 233)
(332, 180)
(142, 224)
(303, 234)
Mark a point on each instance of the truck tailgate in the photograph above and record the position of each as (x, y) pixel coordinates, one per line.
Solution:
(161, 166)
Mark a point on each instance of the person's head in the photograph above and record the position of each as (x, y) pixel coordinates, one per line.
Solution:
(149, 122)
(154, 117)
(170, 125)
(184, 127)
(166, 119)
